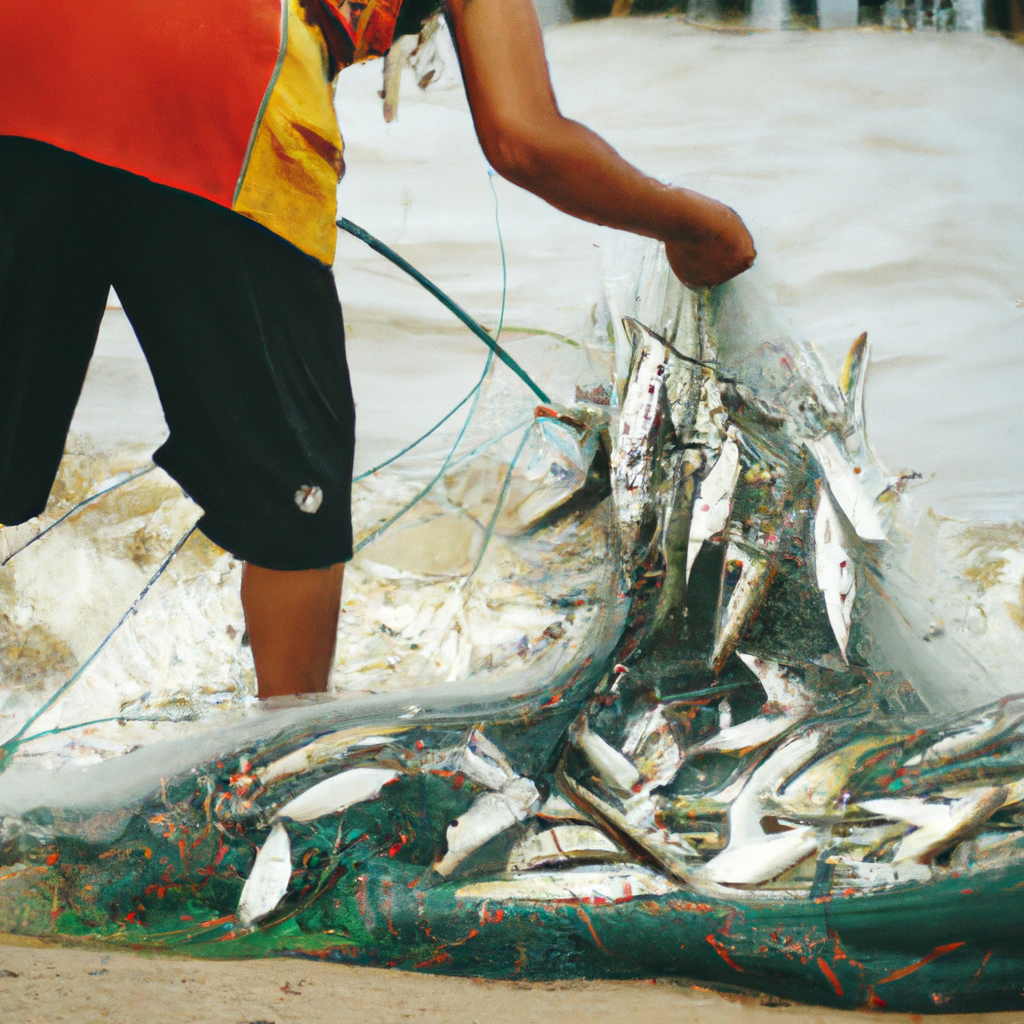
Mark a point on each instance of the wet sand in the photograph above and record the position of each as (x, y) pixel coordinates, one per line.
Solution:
(40, 985)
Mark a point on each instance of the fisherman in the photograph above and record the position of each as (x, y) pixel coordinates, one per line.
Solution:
(188, 155)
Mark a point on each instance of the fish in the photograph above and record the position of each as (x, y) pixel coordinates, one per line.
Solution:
(635, 445)
(783, 689)
(939, 826)
(837, 579)
(557, 808)
(484, 763)
(652, 748)
(606, 885)
(752, 733)
(817, 790)
(338, 793)
(956, 743)
(324, 748)
(762, 858)
(395, 60)
(755, 574)
(879, 874)
(564, 844)
(851, 497)
(636, 820)
(752, 855)
(713, 503)
(489, 815)
(852, 380)
(615, 769)
(268, 880)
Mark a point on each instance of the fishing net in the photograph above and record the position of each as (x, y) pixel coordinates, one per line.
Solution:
(636, 680)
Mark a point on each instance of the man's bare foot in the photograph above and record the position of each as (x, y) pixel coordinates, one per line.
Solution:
(292, 621)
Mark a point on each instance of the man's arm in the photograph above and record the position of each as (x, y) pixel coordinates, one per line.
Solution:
(529, 142)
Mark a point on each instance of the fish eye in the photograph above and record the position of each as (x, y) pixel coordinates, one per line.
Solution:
(454, 823)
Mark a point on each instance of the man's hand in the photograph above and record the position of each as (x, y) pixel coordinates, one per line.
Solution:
(716, 247)
(528, 141)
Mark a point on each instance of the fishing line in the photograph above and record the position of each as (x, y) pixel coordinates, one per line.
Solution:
(15, 740)
(19, 737)
(85, 501)
(712, 691)
(122, 719)
(474, 394)
(501, 500)
(497, 336)
(390, 254)
(409, 447)
(692, 360)
(370, 538)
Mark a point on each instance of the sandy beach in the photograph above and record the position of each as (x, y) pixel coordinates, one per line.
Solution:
(39, 985)
(880, 175)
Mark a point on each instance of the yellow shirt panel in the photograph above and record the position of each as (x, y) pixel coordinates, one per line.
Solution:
(290, 181)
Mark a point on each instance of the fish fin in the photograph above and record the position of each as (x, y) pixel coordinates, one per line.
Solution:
(851, 380)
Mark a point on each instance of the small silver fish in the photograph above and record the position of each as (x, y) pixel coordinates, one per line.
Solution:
(634, 449)
(846, 488)
(338, 793)
(564, 844)
(268, 881)
(614, 768)
(755, 575)
(837, 578)
(490, 815)
(751, 855)
(613, 885)
(939, 825)
(713, 504)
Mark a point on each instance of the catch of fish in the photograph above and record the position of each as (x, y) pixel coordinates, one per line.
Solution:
(631, 689)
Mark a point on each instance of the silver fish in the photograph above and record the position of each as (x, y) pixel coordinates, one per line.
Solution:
(634, 448)
(562, 845)
(614, 768)
(755, 575)
(713, 504)
(846, 488)
(268, 881)
(751, 855)
(837, 579)
(490, 815)
(338, 793)
(939, 825)
(611, 885)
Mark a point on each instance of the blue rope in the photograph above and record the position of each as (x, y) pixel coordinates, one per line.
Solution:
(497, 335)
(388, 253)
(474, 394)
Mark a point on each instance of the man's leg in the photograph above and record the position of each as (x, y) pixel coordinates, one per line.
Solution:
(292, 620)
(245, 338)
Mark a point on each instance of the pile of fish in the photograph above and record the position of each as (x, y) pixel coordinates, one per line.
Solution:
(660, 724)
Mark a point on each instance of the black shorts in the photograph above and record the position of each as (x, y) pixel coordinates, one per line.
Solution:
(242, 331)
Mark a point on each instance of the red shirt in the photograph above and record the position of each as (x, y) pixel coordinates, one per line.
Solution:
(227, 99)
